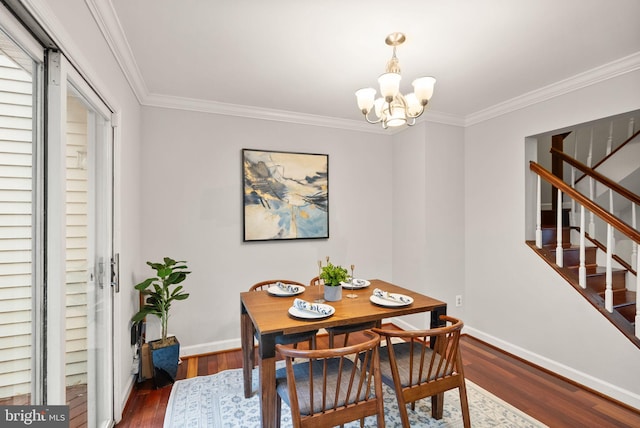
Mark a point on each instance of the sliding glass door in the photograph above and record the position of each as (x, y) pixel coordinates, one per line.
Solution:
(79, 195)
(56, 332)
(21, 197)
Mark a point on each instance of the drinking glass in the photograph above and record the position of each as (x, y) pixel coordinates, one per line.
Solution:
(352, 295)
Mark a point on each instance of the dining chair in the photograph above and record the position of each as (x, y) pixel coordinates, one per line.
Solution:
(343, 329)
(294, 338)
(424, 363)
(332, 386)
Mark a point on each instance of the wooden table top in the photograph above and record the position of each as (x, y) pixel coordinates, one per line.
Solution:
(269, 313)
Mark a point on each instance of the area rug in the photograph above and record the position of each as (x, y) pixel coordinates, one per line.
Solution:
(217, 401)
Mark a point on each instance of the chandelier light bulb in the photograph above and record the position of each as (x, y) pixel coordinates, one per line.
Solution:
(393, 108)
(379, 104)
(389, 85)
(423, 88)
(414, 106)
(365, 97)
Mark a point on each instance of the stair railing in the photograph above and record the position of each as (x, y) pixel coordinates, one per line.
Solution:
(613, 187)
(611, 220)
(632, 136)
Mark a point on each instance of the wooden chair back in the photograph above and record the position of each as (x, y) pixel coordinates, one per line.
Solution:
(333, 386)
(286, 339)
(316, 281)
(425, 363)
(264, 285)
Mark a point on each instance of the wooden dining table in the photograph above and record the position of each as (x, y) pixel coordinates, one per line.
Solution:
(268, 316)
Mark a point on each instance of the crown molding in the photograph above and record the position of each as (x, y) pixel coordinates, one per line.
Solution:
(109, 24)
(205, 106)
(604, 72)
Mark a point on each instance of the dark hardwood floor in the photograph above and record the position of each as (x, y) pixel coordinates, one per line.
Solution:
(553, 401)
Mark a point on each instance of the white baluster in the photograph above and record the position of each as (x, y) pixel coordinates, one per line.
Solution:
(608, 292)
(590, 156)
(613, 238)
(610, 139)
(559, 255)
(582, 271)
(573, 181)
(539, 214)
(634, 246)
(592, 224)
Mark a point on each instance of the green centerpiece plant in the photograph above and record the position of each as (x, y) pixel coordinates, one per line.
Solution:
(333, 277)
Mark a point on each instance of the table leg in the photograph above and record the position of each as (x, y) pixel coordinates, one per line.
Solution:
(268, 399)
(267, 388)
(437, 401)
(248, 353)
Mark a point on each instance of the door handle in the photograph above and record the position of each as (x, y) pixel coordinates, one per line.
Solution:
(115, 272)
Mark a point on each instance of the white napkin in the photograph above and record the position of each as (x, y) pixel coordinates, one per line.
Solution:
(288, 287)
(311, 307)
(386, 295)
(358, 281)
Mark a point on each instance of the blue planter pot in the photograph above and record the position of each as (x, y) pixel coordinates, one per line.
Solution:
(165, 361)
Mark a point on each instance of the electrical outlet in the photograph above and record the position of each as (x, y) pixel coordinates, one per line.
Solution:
(459, 300)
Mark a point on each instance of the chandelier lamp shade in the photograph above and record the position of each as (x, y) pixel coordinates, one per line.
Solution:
(393, 109)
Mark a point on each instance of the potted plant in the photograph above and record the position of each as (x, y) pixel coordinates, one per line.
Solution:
(333, 277)
(159, 293)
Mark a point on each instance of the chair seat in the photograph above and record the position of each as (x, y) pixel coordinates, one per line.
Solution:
(290, 339)
(342, 329)
(335, 376)
(403, 352)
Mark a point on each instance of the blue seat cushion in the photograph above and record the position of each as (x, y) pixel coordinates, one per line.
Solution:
(342, 329)
(301, 374)
(403, 355)
(290, 339)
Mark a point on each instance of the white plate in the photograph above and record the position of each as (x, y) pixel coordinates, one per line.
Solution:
(277, 291)
(350, 286)
(301, 313)
(386, 302)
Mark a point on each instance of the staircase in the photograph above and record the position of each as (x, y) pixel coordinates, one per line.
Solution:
(624, 300)
(609, 193)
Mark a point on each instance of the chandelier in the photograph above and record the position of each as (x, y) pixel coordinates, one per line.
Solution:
(392, 108)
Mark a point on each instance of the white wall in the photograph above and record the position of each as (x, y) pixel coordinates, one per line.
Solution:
(513, 299)
(74, 27)
(181, 197)
(192, 210)
(428, 216)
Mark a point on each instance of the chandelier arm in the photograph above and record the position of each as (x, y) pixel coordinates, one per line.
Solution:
(412, 121)
(413, 116)
(366, 117)
(402, 100)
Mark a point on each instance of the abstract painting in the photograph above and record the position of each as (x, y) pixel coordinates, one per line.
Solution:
(286, 195)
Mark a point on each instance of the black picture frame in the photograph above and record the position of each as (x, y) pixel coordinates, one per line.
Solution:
(285, 195)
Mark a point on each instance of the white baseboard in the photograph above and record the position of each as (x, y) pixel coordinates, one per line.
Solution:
(613, 391)
(124, 397)
(208, 348)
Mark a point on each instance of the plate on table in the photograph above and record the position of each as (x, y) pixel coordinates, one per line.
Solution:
(356, 285)
(391, 303)
(311, 315)
(274, 290)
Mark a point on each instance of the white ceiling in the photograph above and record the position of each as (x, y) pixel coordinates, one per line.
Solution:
(293, 58)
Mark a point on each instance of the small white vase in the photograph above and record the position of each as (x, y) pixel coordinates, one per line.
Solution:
(332, 293)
